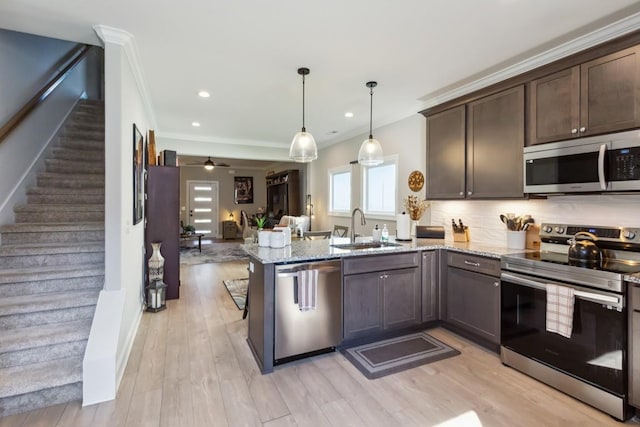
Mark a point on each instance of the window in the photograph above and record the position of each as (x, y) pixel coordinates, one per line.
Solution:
(379, 188)
(340, 190)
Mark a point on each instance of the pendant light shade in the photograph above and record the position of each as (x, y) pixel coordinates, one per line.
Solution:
(303, 147)
(370, 153)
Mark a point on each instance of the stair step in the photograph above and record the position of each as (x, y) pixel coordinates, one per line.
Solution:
(59, 199)
(86, 135)
(23, 388)
(71, 181)
(82, 124)
(27, 282)
(74, 166)
(12, 276)
(84, 155)
(82, 144)
(50, 254)
(58, 213)
(55, 307)
(41, 343)
(23, 233)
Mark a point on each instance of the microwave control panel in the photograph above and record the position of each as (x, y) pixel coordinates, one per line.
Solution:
(624, 164)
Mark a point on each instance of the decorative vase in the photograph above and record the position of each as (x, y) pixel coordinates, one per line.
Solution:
(152, 148)
(156, 263)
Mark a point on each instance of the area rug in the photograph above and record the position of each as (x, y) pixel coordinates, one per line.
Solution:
(212, 252)
(238, 290)
(393, 355)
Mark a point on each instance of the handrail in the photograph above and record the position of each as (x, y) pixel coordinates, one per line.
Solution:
(75, 56)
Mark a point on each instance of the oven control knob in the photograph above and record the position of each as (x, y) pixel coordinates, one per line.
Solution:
(559, 230)
(629, 235)
(547, 229)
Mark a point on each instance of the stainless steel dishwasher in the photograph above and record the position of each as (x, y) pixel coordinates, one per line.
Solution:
(298, 332)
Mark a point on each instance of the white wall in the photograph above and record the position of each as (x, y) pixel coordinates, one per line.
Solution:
(120, 305)
(405, 138)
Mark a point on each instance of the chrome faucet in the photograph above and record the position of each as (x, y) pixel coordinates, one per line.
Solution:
(363, 221)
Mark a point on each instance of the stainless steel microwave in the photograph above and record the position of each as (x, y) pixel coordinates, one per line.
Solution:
(596, 164)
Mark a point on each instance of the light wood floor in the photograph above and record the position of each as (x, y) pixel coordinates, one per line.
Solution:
(190, 366)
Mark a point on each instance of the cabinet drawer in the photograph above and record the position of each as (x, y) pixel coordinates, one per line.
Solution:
(366, 264)
(635, 296)
(477, 264)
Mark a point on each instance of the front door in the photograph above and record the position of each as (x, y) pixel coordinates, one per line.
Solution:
(202, 197)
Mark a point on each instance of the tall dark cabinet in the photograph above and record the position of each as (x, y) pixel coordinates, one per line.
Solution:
(283, 193)
(162, 212)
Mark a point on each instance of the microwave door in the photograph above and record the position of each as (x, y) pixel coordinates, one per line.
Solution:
(560, 169)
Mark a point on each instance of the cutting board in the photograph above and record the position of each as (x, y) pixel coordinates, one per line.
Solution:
(533, 237)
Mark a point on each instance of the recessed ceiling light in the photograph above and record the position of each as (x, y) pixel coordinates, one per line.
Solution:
(204, 94)
(348, 114)
(195, 124)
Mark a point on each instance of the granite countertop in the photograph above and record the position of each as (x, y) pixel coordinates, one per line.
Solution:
(633, 278)
(308, 250)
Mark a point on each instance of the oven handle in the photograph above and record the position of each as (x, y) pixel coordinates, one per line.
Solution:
(609, 300)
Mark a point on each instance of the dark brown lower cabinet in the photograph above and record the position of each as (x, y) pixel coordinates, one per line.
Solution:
(429, 286)
(383, 300)
(473, 296)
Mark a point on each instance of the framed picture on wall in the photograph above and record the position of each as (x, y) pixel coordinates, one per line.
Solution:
(138, 174)
(243, 189)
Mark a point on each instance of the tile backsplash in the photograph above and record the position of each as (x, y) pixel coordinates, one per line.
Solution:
(482, 216)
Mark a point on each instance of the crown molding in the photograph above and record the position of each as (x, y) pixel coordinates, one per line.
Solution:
(128, 43)
(594, 38)
(222, 141)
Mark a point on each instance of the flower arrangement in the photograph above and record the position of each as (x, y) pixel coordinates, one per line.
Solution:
(415, 206)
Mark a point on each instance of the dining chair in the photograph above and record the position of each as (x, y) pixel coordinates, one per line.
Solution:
(340, 231)
(312, 235)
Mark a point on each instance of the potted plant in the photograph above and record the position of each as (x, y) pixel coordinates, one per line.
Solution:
(261, 221)
(188, 229)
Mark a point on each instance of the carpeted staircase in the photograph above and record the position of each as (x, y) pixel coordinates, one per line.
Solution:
(52, 269)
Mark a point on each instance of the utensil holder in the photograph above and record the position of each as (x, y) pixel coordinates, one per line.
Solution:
(516, 239)
(461, 236)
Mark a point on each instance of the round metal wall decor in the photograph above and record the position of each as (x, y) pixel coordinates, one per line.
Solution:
(416, 181)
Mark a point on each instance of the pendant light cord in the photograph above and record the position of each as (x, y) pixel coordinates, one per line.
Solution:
(303, 128)
(371, 114)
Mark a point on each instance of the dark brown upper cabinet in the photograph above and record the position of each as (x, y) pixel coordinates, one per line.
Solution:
(446, 154)
(599, 96)
(475, 151)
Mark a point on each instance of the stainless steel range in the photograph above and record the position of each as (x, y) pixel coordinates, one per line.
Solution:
(591, 362)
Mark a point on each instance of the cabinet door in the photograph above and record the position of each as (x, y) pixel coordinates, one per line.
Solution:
(401, 298)
(473, 303)
(610, 93)
(554, 106)
(429, 287)
(446, 154)
(362, 305)
(495, 142)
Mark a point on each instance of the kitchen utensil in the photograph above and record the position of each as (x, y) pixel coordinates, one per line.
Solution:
(585, 253)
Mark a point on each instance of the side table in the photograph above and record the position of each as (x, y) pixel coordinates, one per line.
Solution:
(229, 229)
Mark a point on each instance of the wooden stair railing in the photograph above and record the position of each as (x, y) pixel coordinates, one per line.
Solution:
(72, 58)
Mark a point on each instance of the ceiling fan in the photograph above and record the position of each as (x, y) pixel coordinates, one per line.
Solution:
(209, 164)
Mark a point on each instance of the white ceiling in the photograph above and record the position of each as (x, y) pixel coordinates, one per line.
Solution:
(246, 54)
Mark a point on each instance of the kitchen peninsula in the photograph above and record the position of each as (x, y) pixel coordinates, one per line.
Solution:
(383, 290)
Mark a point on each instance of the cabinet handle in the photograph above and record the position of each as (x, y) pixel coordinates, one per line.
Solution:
(496, 284)
(574, 131)
(462, 193)
(474, 264)
(470, 193)
(583, 129)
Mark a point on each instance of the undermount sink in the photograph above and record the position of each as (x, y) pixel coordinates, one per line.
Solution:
(365, 245)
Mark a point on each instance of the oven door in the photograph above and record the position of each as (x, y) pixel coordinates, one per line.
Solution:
(596, 351)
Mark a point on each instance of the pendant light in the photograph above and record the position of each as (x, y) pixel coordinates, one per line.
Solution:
(208, 164)
(303, 147)
(370, 153)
